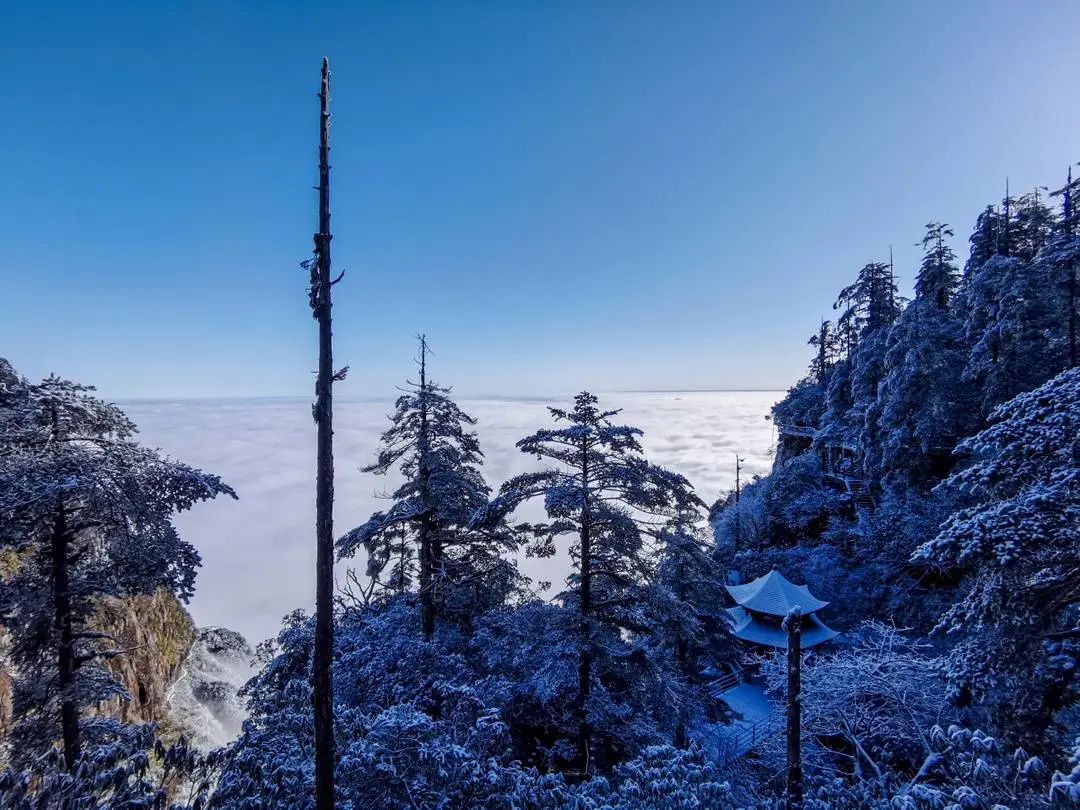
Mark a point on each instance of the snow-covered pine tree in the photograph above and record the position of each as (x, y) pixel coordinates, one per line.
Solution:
(881, 306)
(423, 536)
(692, 623)
(826, 351)
(867, 307)
(599, 490)
(1014, 539)
(805, 402)
(1032, 225)
(1061, 261)
(85, 512)
(1011, 304)
(921, 400)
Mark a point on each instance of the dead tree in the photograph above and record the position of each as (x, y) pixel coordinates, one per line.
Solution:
(321, 284)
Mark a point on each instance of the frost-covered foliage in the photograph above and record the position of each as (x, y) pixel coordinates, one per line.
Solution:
(689, 594)
(1014, 305)
(663, 778)
(1015, 540)
(1021, 308)
(868, 307)
(964, 769)
(925, 476)
(921, 401)
(782, 510)
(488, 713)
(131, 768)
(866, 707)
(601, 492)
(465, 720)
(86, 512)
(423, 539)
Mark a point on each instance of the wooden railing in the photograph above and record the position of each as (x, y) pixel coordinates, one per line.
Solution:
(748, 737)
(725, 682)
(806, 431)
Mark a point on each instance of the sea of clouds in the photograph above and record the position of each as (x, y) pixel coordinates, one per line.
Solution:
(258, 552)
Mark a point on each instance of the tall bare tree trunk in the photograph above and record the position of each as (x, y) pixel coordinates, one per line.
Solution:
(1068, 215)
(1072, 317)
(793, 626)
(65, 657)
(682, 656)
(322, 679)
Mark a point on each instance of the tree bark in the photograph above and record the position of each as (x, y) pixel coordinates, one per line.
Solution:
(793, 625)
(682, 657)
(322, 678)
(680, 723)
(427, 530)
(585, 619)
(69, 714)
(1073, 359)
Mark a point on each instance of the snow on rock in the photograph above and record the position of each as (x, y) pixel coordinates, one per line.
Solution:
(204, 703)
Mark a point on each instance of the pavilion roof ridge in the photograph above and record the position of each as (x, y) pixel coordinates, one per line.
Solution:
(775, 595)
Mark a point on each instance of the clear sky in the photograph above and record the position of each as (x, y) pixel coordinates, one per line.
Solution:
(612, 195)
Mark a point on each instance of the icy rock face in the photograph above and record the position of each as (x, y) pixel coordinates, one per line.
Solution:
(204, 704)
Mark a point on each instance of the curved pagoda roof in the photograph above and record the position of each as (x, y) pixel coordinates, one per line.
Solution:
(775, 595)
(747, 628)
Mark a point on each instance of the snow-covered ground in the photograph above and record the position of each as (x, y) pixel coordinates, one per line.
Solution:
(760, 717)
(258, 552)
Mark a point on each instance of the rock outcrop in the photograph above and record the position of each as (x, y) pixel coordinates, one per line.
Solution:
(180, 677)
(204, 704)
(6, 710)
(156, 634)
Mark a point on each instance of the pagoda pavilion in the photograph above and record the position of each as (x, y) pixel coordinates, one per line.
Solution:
(761, 606)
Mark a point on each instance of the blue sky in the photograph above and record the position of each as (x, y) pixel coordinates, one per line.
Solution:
(614, 195)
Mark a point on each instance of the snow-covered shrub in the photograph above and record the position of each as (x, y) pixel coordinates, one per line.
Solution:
(865, 707)
(129, 767)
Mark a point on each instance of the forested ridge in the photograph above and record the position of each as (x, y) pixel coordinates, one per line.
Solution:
(926, 483)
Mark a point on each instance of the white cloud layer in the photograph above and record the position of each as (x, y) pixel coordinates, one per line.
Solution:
(258, 552)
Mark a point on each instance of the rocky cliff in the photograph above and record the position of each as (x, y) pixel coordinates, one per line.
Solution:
(156, 634)
(181, 677)
(5, 700)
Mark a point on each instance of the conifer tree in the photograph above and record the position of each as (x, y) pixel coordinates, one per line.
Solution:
(1061, 258)
(320, 298)
(1032, 225)
(599, 489)
(423, 537)
(983, 242)
(824, 342)
(921, 400)
(1014, 540)
(85, 512)
(1011, 307)
(692, 622)
(868, 307)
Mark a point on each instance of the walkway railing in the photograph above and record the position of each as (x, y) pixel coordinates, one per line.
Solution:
(806, 431)
(748, 737)
(726, 682)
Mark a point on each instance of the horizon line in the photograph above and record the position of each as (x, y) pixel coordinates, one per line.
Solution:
(464, 396)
